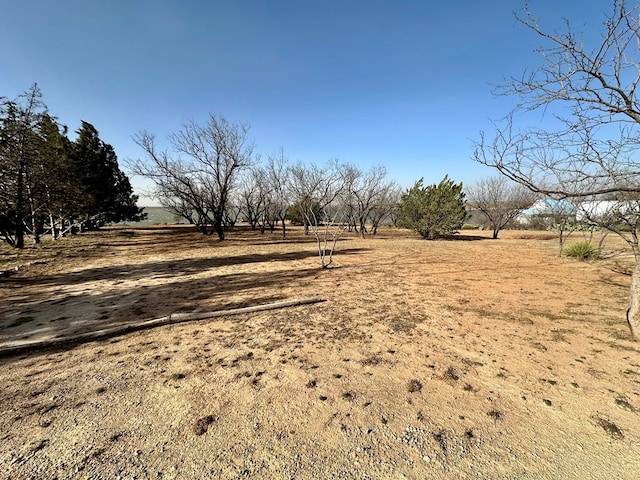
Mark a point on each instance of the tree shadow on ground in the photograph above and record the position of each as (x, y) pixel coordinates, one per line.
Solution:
(165, 268)
(464, 238)
(95, 298)
(148, 302)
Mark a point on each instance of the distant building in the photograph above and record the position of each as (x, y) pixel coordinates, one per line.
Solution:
(603, 211)
(545, 212)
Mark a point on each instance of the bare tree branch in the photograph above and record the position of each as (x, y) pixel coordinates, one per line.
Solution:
(197, 186)
(592, 152)
(500, 200)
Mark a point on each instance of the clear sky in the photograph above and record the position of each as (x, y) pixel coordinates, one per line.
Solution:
(402, 83)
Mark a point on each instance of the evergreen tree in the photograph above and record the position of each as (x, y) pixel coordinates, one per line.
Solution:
(105, 193)
(19, 146)
(60, 189)
(435, 210)
(45, 179)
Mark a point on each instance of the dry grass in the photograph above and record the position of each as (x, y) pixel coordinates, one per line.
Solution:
(468, 358)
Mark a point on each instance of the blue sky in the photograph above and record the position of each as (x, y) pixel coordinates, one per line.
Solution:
(405, 84)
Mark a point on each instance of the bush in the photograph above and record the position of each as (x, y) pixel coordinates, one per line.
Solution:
(296, 215)
(584, 250)
(435, 210)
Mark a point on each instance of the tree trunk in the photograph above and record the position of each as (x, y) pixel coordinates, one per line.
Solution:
(633, 314)
(363, 227)
(218, 227)
(52, 225)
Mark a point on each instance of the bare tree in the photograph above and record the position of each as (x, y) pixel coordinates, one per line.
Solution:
(199, 186)
(318, 194)
(558, 216)
(369, 190)
(264, 195)
(250, 196)
(351, 176)
(620, 214)
(268, 211)
(500, 200)
(386, 206)
(589, 85)
(327, 225)
(313, 187)
(276, 172)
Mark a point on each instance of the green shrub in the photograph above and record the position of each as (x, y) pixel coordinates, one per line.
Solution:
(584, 250)
(435, 210)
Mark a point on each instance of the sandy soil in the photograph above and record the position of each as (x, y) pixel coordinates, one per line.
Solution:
(469, 358)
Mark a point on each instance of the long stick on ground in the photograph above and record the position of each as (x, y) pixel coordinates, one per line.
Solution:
(21, 347)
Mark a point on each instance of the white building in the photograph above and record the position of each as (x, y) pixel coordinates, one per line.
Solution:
(546, 209)
(601, 211)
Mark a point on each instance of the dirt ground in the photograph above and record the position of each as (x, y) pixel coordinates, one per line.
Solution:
(468, 358)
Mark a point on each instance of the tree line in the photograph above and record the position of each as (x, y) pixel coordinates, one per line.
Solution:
(211, 177)
(51, 184)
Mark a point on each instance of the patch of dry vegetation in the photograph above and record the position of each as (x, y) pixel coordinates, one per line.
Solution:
(469, 359)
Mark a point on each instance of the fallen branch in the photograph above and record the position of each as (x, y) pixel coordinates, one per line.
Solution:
(22, 347)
